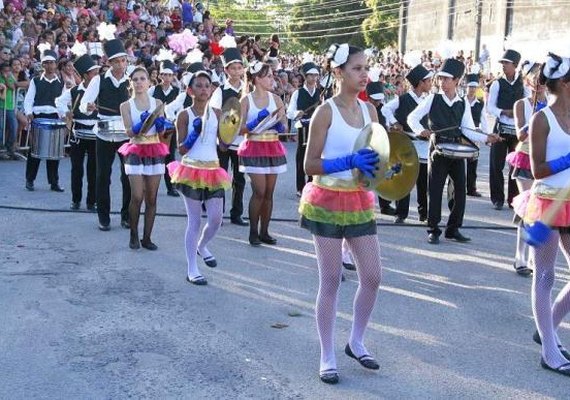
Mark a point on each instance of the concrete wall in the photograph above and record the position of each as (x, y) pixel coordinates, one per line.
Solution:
(536, 24)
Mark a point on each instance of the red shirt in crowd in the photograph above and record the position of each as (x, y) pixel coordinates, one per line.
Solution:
(176, 20)
(122, 14)
(216, 48)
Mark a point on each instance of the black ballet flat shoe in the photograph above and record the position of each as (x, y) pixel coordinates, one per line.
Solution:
(564, 369)
(148, 245)
(329, 376)
(254, 240)
(198, 281)
(209, 261)
(349, 266)
(134, 244)
(522, 270)
(268, 239)
(366, 360)
(537, 340)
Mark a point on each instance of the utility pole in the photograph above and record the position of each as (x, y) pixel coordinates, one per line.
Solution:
(403, 31)
(478, 17)
(450, 19)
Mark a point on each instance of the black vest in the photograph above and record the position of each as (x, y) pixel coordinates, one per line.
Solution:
(228, 94)
(110, 97)
(47, 92)
(476, 112)
(166, 99)
(381, 118)
(509, 94)
(305, 100)
(407, 104)
(442, 116)
(187, 101)
(76, 96)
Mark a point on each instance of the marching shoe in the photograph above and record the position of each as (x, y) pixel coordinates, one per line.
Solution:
(433, 238)
(147, 244)
(104, 227)
(30, 186)
(125, 224)
(238, 221)
(457, 236)
(56, 188)
(388, 210)
(173, 193)
(74, 206)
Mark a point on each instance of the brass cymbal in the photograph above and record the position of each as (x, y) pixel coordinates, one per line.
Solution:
(158, 111)
(230, 121)
(396, 186)
(373, 136)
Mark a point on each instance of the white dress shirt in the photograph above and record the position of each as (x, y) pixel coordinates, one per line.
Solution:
(467, 125)
(92, 91)
(292, 108)
(483, 125)
(389, 109)
(216, 99)
(29, 107)
(174, 107)
(492, 102)
(63, 102)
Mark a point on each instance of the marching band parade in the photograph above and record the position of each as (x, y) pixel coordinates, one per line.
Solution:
(179, 98)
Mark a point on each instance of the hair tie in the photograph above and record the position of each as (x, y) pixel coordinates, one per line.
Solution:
(255, 67)
(556, 67)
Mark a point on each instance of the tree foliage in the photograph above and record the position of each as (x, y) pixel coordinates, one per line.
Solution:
(381, 28)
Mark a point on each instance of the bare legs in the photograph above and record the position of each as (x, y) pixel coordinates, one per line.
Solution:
(143, 187)
(261, 205)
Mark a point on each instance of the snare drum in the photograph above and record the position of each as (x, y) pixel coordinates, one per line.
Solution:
(457, 151)
(422, 148)
(112, 130)
(48, 138)
(84, 132)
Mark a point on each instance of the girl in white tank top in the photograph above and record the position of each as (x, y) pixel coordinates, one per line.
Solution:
(199, 177)
(144, 158)
(550, 154)
(261, 155)
(335, 208)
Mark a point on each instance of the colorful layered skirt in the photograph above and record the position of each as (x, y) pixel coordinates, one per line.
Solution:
(337, 208)
(262, 154)
(144, 155)
(520, 161)
(532, 204)
(199, 180)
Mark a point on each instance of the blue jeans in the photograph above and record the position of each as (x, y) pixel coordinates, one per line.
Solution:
(10, 125)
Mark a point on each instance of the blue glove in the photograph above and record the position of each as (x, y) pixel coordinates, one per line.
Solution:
(365, 160)
(260, 117)
(279, 127)
(560, 164)
(138, 126)
(159, 123)
(194, 135)
(168, 125)
(537, 234)
(540, 105)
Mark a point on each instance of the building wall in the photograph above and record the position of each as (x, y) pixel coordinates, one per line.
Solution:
(536, 24)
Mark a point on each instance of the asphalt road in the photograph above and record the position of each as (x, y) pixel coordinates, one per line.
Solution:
(83, 316)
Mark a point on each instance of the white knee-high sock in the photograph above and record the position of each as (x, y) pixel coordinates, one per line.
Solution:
(193, 210)
(214, 210)
(366, 251)
(329, 260)
(544, 258)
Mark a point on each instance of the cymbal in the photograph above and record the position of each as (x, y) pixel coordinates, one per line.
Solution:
(158, 111)
(230, 121)
(373, 136)
(396, 186)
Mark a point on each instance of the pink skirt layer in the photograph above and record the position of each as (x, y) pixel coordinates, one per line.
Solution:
(532, 208)
(249, 148)
(199, 178)
(153, 150)
(518, 159)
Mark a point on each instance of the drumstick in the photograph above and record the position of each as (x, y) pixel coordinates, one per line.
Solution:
(464, 127)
